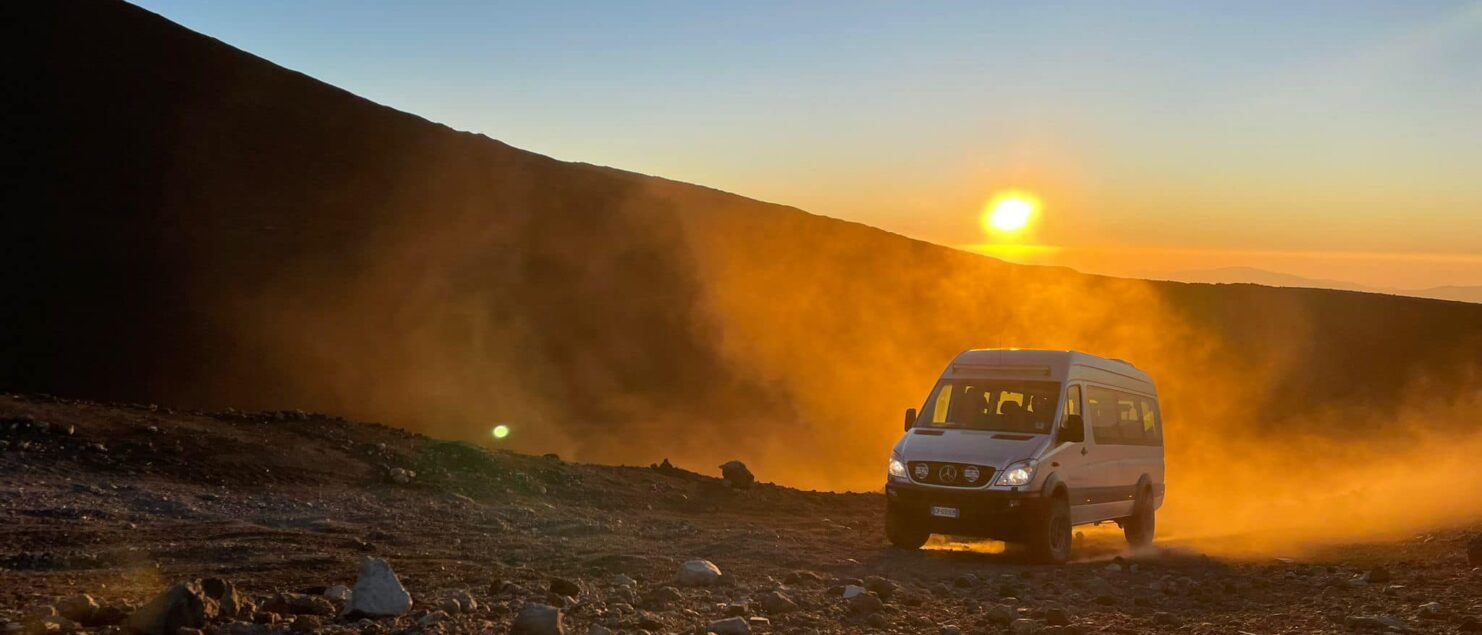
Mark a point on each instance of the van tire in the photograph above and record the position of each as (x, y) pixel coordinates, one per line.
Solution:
(1049, 532)
(902, 532)
(1143, 523)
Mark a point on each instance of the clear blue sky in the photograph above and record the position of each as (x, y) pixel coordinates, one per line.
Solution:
(1331, 139)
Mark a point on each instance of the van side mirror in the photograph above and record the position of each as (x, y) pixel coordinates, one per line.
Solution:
(910, 418)
(1072, 430)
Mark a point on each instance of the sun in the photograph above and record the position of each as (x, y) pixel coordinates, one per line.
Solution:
(1009, 213)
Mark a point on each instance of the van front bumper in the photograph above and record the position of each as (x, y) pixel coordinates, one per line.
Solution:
(998, 514)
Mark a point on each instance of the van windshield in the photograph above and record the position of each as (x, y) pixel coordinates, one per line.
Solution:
(987, 404)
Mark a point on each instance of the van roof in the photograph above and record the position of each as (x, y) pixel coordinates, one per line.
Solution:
(1052, 365)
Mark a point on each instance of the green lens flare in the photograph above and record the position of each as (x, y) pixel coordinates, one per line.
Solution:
(501, 431)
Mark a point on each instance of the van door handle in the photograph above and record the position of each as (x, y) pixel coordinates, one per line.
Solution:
(1083, 451)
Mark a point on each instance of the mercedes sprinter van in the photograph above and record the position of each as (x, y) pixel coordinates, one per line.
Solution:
(1021, 445)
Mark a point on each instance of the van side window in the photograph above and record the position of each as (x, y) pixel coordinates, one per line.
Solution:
(1119, 418)
(939, 413)
(1073, 401)
(1129, 420)
(1072, 407)
(1101, 411)
(1152, 428)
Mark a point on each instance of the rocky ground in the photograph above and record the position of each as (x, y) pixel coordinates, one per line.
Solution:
(126, 518)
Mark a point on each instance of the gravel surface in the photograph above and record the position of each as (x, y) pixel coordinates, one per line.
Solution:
(117, 518)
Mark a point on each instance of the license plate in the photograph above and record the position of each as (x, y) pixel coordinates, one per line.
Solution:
(944, 512)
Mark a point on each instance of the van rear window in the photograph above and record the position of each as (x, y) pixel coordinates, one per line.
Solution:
(986, 404)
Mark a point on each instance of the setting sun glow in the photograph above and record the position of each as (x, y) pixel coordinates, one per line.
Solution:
(1009, 213)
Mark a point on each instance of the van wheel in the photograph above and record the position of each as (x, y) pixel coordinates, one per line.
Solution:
(1049, 537)
(1140, 526)
(902, 532)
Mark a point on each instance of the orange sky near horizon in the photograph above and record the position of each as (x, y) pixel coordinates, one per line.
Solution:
(1385, 230)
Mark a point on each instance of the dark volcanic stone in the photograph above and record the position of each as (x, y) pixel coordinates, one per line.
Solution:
(775, 603)
(1056, 616)
(184, 605)
(736, 475)
(882, 586)
(538, 619)
(865, 603)
(78, 608)
(562, 586)
(231, 602)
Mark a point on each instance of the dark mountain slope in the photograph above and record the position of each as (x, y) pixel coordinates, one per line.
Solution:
(186, 223)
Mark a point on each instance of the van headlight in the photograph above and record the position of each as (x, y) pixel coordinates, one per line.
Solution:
(1017, 474)
(897, 467)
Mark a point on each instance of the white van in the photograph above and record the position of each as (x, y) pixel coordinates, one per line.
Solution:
(1020, 445)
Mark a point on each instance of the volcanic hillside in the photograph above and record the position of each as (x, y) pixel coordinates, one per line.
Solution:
(186, 223)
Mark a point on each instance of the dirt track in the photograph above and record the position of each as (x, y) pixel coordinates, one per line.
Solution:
(120, 501)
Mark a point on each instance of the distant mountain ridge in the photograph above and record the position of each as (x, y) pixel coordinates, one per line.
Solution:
(1252, 275)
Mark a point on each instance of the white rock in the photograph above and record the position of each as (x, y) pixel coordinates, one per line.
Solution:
(623, 581)
(377, 592)
(853, 590)
(338, 592)
(698, 573)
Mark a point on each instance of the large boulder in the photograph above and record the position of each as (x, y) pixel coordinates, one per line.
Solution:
(377, 592)
(1057, 616)
(698, 573)
(568, 588)
(184, 605)
(775, 603)
(231, 603)
(1002, 614)
(661, 596)
(78, 608)
(538, 619)
(866, 603)
(736, 475)
(883, 587)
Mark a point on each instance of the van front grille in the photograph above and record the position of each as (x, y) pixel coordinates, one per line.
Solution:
(949, 474)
